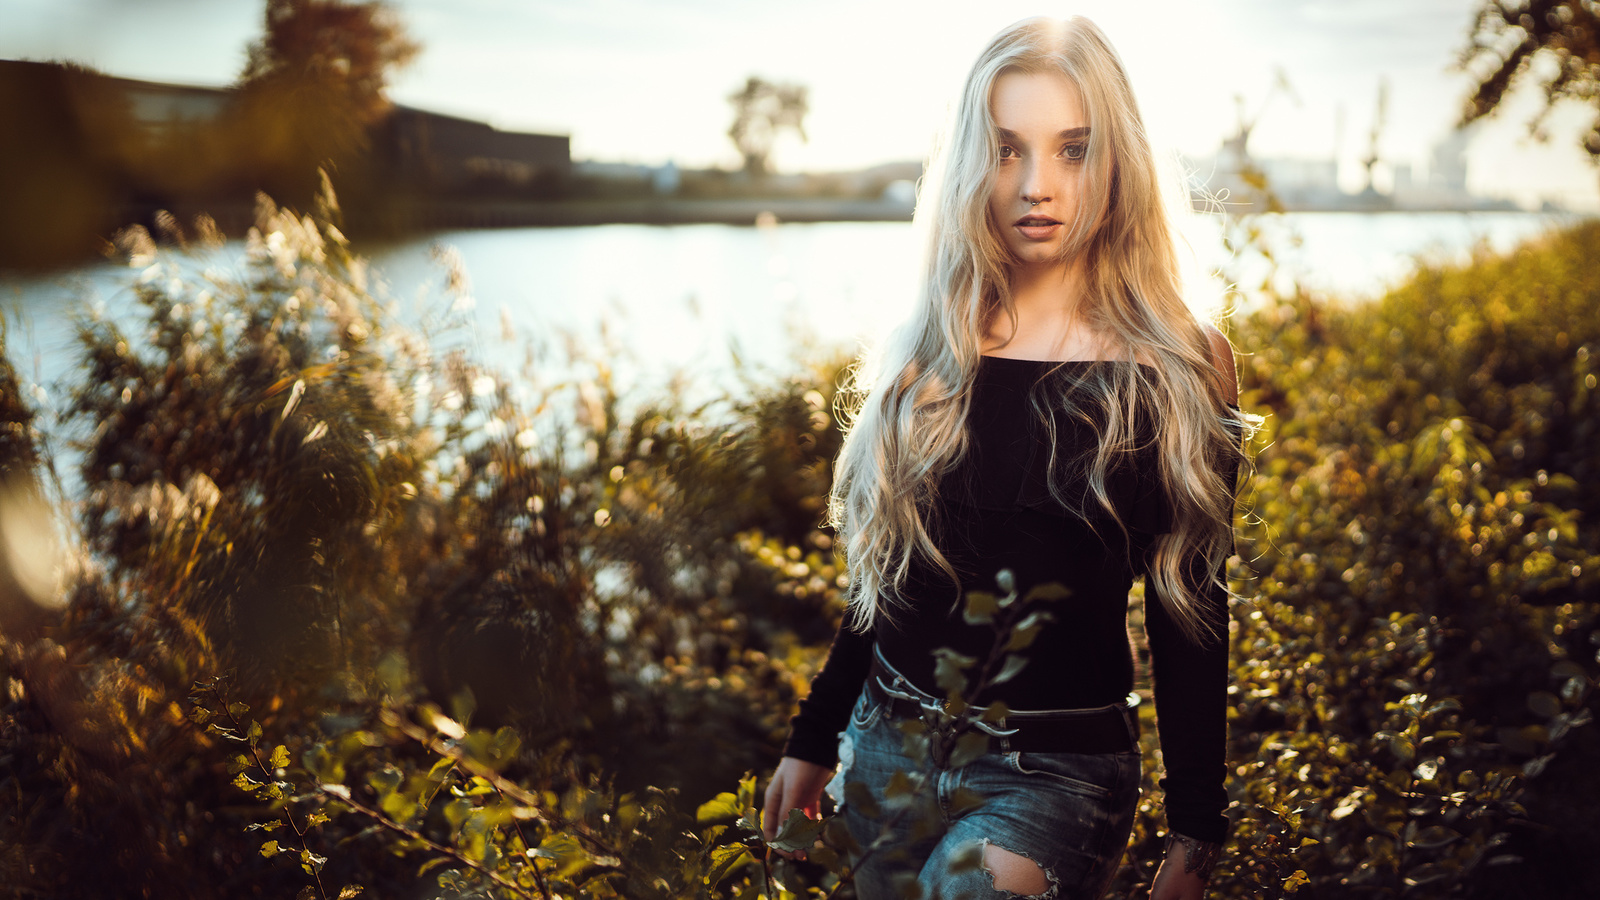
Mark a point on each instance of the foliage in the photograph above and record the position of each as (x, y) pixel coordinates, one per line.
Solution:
(1553, 43)
(311, 88)
(761, 111)
(429, 627)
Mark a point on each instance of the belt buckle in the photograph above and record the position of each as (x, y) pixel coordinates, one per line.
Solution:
(941, 730)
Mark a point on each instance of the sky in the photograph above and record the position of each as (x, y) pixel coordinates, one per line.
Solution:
(646, 81)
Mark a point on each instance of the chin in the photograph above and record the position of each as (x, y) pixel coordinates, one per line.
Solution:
(1034, 254)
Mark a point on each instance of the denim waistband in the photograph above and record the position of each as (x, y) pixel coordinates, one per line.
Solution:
(1110, 728)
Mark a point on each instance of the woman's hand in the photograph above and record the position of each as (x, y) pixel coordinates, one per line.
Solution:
(1172, 882)
(796, 784)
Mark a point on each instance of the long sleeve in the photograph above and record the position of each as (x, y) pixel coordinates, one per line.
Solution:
(825, 711)
(1191, 692)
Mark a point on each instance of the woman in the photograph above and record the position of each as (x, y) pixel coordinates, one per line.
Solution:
(1053, 409)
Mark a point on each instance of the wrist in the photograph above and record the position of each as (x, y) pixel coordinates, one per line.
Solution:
(1199, 857)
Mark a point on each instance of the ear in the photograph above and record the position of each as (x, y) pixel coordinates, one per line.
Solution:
(1222, 362)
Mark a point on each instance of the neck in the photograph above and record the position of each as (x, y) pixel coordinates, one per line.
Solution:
(1046, 297)
(1048, 289)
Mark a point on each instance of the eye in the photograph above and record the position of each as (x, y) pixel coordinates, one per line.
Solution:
(1075, 152)
(1007, 151)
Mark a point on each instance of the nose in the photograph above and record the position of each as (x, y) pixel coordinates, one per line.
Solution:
(1034, 188)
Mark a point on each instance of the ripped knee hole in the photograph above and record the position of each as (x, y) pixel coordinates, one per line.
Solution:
(1015, 873)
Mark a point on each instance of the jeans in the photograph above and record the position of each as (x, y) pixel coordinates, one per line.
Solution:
(1070, 813)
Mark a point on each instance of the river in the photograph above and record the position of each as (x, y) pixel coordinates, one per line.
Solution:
(697, 297)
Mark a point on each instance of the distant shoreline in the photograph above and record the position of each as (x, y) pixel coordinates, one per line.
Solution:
(411, 216)
(649, 211)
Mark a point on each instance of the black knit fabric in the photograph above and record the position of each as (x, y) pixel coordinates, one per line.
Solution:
(996, 510)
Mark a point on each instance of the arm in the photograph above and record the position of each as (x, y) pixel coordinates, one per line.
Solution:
(813, 746)
(1191, 705)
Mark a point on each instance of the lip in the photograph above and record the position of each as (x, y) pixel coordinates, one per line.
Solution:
(1035, 227)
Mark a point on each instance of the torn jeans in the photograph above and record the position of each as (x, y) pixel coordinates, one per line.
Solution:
(1070, 813)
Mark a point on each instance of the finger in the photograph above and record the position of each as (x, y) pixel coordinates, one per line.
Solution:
(771, 814)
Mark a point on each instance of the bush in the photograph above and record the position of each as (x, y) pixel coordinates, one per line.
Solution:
(435, 629)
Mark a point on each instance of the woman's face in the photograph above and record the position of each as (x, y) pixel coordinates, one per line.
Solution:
(1044, 138)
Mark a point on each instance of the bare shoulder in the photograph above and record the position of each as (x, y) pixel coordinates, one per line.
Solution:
(1222, 361)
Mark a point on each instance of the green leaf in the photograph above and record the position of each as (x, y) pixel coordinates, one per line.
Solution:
(1434, 837)
(350, 890)
(949, 670)
(269, 849)
(1427, 874)
(723, 859)
(964, 800)
(384, 780)
(238, 709)
(980, 609)
(837, 834)
(254, 733)
(435, 863)
(799, 832)
(279, 758)
(1054, 590)
(967, 859)
(1544, 703)
(1012, 667)
(747, 799)
(914, 744)
(723, 806)
(859, 798)
(969, 747)
(900, 785)
(995, 712)
(226, 733)
(456, 811)
(1026, 631)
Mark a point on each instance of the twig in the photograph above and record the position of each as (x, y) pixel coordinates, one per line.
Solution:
(343, 795)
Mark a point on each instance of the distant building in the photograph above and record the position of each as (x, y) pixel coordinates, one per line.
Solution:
(161, 107)
(1236, 178)
(420, 148)
(446, 152)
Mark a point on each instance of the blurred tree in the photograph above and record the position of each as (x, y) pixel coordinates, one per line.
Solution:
(761, 109)
(1554, 42)
(313, 84)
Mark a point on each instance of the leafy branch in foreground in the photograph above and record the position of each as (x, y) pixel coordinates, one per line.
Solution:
(950, 736)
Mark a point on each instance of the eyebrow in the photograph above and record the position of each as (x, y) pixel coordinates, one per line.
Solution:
(1066, 134)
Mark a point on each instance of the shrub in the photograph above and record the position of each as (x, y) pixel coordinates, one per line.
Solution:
(433, 628)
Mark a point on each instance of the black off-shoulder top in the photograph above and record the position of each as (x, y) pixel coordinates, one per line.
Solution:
(996, 510)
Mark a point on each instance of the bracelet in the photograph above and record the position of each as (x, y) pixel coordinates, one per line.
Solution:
(1198, 856)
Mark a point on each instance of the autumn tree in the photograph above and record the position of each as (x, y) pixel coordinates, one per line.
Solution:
(314, 84)
(761, 110)
(1553, 43)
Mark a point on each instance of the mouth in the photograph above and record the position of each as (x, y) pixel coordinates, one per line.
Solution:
(1037, 227)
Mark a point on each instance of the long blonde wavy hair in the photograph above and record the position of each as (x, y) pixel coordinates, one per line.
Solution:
(910, 426)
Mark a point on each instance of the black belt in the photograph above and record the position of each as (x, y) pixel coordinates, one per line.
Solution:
(1106, 730)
